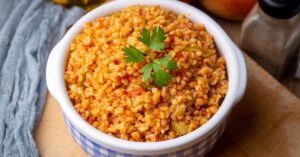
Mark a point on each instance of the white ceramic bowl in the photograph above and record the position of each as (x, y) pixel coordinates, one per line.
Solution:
(196, 143)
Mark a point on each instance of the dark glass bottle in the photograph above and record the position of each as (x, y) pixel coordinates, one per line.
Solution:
(271, 34)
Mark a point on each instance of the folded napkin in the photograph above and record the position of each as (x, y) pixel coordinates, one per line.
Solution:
(28, 31)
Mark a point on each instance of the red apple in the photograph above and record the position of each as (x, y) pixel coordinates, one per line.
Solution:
(229, 9)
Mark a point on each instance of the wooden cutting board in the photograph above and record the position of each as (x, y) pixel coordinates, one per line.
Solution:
(266, 123)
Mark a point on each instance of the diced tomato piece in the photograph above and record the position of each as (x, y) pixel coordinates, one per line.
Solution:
(90, 120)
(135, 92)
(158, 138)
(179, 55)
(126, 76)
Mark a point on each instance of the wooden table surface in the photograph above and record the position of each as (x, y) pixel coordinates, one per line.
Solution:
(266, 123)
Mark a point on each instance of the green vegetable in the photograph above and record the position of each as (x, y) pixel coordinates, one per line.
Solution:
(145, 86)
(80, 80)
(132, 54)
(192, 49)
(167, 62)
(157, 41)
(180, 129)
(145, 38)
(180, 110)
(147, 69)
(160, 77)
(155, 67)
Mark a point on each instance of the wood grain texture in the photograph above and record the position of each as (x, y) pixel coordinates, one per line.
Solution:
(51, 135)
(264, 124)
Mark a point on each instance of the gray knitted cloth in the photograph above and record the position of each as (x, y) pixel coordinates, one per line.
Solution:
(28, 31)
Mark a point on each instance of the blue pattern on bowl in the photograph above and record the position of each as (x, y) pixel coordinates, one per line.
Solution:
(95, 150)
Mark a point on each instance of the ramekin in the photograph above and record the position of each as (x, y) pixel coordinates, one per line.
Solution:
(196, 143)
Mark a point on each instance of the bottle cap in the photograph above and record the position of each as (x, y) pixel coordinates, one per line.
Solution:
(282, 9)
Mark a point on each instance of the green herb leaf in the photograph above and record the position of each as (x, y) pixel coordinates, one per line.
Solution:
(132, 54)
(167, 62)
(145, 37)
(157, 40)
(146, 70)
(154, 68)
(146, 86)
(160, 77)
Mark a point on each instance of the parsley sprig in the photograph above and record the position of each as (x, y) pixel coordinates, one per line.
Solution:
(155, 67)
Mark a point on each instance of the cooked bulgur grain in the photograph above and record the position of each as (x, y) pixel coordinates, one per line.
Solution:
(109, 93)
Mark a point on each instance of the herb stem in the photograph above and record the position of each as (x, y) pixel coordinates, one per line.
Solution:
(149, 54)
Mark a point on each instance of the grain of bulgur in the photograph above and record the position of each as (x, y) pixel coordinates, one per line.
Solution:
(108, 94)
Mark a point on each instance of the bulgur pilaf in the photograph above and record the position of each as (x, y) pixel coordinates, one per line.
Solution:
(110, 94)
